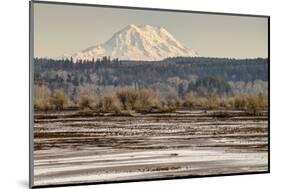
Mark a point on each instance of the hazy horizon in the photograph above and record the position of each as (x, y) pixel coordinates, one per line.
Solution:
(65, 29)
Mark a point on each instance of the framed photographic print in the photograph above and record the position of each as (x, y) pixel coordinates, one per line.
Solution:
(121, 94)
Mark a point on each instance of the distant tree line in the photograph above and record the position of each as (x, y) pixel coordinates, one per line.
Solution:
(171, 77)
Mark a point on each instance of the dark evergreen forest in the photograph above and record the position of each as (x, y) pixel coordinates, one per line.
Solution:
(179, 75)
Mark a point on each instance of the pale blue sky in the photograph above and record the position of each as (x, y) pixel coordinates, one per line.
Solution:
(66, 29)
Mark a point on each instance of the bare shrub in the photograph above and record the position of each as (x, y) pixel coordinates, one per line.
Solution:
(167, 105)
(255, 104)
(147, 100)
(108, 104)
(240, 102)
(191, 101)
(178, 102)
(164, 107)
(85, 101)
(128, 98)
(172, 104)
(59, 100)
(211, 103)
(251, 104)
(263, 102)
(42, 96)
(226, 102)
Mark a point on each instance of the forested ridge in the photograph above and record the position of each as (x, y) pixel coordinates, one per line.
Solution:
(181, 71)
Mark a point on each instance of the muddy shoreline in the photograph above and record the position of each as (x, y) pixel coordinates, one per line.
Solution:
(72, 149)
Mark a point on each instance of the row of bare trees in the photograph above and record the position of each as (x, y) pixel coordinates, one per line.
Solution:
(44, 99)
(144, 101)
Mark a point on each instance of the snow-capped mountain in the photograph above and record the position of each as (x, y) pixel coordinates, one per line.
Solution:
(137, 43)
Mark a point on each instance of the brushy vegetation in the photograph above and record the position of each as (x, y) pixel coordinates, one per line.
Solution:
(44, 100)
(108, 104)
(145, 101)
(85, 101)
(127, 98)
(42, 96)
(250, 103)
(59, 100)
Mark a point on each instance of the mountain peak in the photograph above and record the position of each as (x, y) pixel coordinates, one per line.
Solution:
(143, 26)
(130, 26)
(146, 26)
(143, 42)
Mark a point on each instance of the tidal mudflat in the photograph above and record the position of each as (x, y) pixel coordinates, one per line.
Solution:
(71, 148)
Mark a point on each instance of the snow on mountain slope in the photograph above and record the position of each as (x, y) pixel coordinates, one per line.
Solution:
(137, 43)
